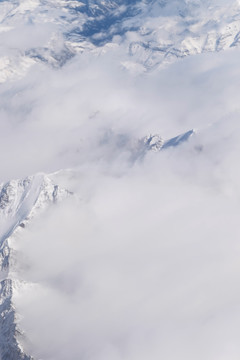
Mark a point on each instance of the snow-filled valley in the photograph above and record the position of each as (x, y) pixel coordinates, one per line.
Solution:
(119, 179)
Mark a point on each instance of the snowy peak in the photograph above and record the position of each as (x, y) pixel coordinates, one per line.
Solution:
(153, 142)
(20, 201)
(111, 145)
(156, 142)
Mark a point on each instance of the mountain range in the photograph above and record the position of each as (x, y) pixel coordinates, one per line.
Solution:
(144, 38)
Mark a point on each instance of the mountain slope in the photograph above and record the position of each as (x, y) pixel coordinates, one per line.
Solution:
(20, 201)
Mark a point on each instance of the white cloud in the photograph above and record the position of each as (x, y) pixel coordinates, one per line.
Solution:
(148, 264)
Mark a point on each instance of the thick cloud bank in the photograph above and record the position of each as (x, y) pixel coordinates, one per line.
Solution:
(57, 119)
(146, 266)
(146, 263)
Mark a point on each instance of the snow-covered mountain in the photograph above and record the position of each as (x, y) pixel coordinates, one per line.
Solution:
(99, 98)
(20, 201)
(149, 34)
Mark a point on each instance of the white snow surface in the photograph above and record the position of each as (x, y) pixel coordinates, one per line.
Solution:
(157, 34)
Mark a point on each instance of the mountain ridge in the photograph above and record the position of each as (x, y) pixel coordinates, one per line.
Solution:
(152, 34)
(20, 201)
